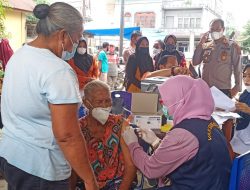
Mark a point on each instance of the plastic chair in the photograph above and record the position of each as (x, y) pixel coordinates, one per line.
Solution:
(121, 102)
(240, 173)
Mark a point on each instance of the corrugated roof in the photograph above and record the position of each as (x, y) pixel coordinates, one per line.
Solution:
(24, 5)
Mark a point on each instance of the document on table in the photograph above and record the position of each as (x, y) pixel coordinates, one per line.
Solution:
(221, 116)
(221, 100)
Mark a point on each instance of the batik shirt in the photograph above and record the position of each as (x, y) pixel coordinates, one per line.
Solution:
(105, 154)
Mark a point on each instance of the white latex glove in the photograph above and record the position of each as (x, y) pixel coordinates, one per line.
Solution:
(147, 135)
(129, 135)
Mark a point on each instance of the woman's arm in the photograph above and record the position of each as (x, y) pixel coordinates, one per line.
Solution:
(68, 135)
(168, 72)
(177, 147)
(243, 107)
(73, 180)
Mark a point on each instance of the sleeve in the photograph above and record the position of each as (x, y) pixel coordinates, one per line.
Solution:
(95, 72)
(197, 57)
(62, 88)
(236, 52)
(177, 147)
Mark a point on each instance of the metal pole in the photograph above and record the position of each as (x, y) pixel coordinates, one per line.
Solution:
(84, 11)
(121, 28)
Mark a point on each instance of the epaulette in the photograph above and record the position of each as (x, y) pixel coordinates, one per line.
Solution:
(226, 41)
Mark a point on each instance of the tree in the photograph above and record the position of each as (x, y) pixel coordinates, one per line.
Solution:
(31, 20)
(3, 7)
(229, 25)
(30, 17)
(246, 37)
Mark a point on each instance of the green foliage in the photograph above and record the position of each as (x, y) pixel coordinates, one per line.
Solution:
(229, 30)
(3, 5)
(246, 37)
(30, 17)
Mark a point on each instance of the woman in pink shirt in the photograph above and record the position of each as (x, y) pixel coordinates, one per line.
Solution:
(193, 155)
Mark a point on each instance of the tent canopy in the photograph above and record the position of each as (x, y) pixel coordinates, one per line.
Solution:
(111, 31)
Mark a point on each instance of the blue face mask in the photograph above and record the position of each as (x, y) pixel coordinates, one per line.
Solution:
(68, 55)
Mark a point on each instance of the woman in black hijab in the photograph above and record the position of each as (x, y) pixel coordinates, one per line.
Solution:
(84, 65)
(139, 64)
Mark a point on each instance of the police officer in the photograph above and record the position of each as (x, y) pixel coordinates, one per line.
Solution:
(221, 58)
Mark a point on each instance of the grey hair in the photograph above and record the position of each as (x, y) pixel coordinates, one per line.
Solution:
(92, 86)
(57, 16)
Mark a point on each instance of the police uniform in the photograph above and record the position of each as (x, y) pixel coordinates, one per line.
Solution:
(221, 59)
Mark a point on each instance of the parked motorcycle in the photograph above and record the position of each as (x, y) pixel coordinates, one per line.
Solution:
(120, 78)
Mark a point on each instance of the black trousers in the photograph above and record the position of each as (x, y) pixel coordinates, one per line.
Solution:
(20, 180)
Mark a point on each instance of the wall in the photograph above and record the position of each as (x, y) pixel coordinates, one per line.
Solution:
(15, 26)
(134, 6)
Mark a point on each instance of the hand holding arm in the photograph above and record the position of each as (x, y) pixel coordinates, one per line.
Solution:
(129, 135)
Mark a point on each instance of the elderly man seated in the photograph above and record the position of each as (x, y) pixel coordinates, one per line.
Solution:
(108, 153)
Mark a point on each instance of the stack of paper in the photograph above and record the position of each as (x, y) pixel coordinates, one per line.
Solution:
(220, 116)
(221, 100)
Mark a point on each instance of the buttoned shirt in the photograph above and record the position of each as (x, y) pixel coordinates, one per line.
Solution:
(221, 59)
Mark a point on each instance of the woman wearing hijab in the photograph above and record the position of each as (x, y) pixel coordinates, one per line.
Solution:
(194, 154)
(241, 142)
(84, 64)
(138, 64)
(170, 42)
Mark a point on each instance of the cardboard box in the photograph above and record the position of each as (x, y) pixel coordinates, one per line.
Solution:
(144, 109)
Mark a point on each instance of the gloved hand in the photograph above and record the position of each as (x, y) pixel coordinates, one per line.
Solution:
(129, 135)
(147, 135)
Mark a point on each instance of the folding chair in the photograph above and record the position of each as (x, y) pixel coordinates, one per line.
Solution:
(240, 173)
(121, 102)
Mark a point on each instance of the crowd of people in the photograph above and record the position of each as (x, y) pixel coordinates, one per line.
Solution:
(45, 146)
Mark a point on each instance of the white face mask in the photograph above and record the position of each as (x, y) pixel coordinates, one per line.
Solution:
(216, 35)
(248, 88)
(101, 114)
(156, 51)
(81, 50)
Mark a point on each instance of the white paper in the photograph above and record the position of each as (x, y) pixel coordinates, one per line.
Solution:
(148, 121)
(221, 100)
(220, 116)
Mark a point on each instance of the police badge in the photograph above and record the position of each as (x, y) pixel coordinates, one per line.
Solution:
(223, 56)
